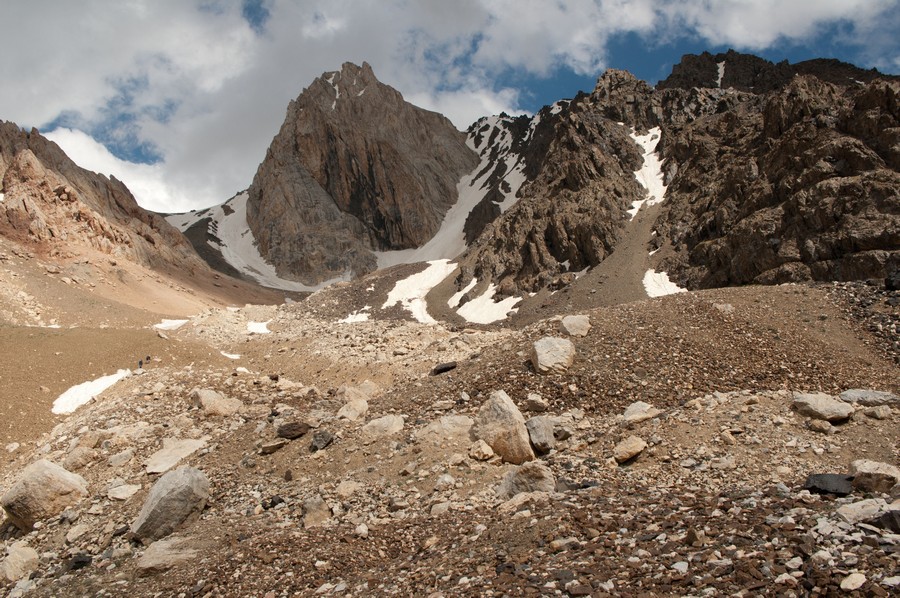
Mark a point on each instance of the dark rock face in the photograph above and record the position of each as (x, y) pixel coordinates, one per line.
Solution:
(796, 185)
(746, 72)
(51, 202)
(354, 168)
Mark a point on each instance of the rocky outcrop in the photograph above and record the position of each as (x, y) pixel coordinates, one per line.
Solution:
(797, 185)
(746, 72)
(354, 168)
(51, 203)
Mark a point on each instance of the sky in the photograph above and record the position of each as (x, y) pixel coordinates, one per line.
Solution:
(180, 98)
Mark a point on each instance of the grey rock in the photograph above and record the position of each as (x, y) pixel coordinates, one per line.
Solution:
(575, 325)
(822, 406)
(640, 411)
(448, 428)
(43, 490)
(162, 555)
(174, 500)
(215, 403)
(173, 451)
(862, 510)
(535, 403)
(320, 440)
(540, 431)
(829, 483)
(292, 430)
(869, 398)
(382, 427)
(79, 457)
(552, 354)
(530, 477)
(500, 424)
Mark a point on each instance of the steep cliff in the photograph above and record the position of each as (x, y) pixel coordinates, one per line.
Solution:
(353, 170)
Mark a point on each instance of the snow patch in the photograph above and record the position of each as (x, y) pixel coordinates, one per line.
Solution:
(483, 309)
(230, 355)
(2, 197)
(82, 393)
(721, 66)
(457, 297)
(258, 327)
(228, 224)
(170, 324)
(360, 315)
(657, 284)
(650, 174)
(410, 292)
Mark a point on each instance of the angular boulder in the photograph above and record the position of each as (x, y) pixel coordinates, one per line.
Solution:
(640, 411)
(552, 354)
(215, 403)
(165, 554)
(870, 398)
(501, 425)
(628, 449)
(173, 451)
(21, 559)
(822, 406)
(381, 427)
(874, 476)
(540, 431)
(575, 325)
(173, 500)
(530, 477)
(43, 490)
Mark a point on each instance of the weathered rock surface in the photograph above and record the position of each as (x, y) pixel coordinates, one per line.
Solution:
(870, 398)
(174, 500)
(540, 431)
(628, 449)
(387, 425)
(578, 325)
(173, 450)
(215, 403)
(20, 561)
(529, 477)
(43, 490)
(640, 411)
(164, 554)
(552, 354)
(873, 476)
(353, 169)
(822, 406)
(501, 425)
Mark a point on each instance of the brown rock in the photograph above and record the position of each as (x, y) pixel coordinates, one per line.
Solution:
(43, 490)
(501, 425)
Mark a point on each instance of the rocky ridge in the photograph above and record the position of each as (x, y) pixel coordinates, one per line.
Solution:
(51, 204)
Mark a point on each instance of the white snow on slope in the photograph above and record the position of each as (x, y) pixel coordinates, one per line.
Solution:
(239, 247)
(410, 292)
(657, 284)
(457, 297)
(230, 355)
(360, 315)
(2, 197)
(170, 324)
(483, 309)
(650, 174)
(82, 393)
(258, 327)
(721, 66)
(450, 241)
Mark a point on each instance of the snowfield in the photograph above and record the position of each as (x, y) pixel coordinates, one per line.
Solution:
(81, 394)
(658, 284)
(170, 324)
(650, 175)
(410, 292)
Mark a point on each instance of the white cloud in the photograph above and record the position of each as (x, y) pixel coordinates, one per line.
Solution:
(199, 84)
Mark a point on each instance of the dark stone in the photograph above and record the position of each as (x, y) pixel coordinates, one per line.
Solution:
(889, 520)
(829, 483)
(292, 430)
(288, 475)
(892, 280)
(79, 561)
(442, 368)
(320, 440)
(272, 502)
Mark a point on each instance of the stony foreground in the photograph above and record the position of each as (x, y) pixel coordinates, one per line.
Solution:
(665, 455)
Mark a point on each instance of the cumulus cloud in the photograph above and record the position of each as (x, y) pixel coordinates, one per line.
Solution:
(203, 89)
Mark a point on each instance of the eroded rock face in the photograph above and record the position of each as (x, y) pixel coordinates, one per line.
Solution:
(174, 499)
(52, 202)
(501, 425)
(354, 168)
